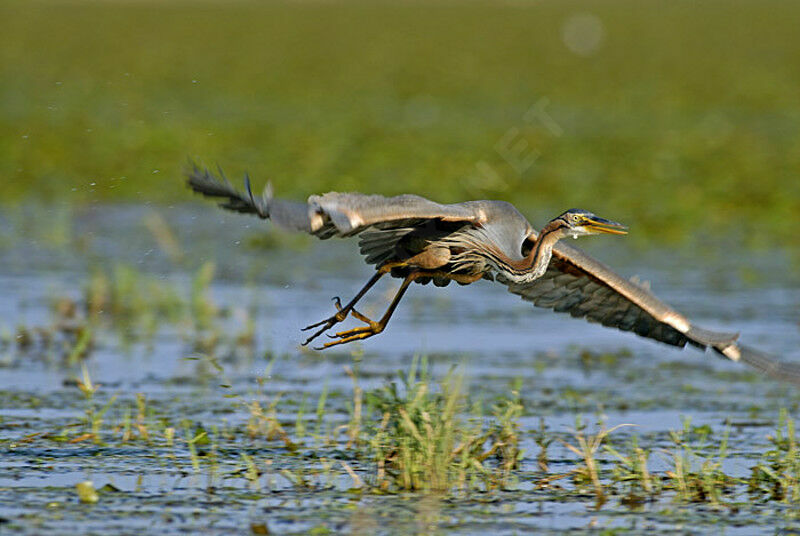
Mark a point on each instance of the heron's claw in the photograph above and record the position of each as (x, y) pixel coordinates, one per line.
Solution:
(328, 323)
(338, 303)
(317, 333)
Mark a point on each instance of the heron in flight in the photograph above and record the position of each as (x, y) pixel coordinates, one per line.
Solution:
(420, 241)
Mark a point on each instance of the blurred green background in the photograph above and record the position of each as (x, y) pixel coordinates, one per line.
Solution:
(681, 119)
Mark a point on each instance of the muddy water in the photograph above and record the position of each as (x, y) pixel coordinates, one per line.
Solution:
(567, 368)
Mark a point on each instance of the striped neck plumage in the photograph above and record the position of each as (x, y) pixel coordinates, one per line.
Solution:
(534, 265)
(480, 254)
(539, 257)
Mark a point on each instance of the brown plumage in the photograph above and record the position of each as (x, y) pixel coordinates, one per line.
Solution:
(418, 240)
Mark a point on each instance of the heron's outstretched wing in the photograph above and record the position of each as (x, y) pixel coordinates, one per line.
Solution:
(334, 213)
(582, 286)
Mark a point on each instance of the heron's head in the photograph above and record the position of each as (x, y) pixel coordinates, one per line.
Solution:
(576, 222)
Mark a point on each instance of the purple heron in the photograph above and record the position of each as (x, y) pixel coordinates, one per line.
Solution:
(420, 241)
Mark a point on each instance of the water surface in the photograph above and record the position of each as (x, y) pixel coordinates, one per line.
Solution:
(567, 368)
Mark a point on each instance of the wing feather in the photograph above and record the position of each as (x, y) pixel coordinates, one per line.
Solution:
(582, 286)
(333, 214)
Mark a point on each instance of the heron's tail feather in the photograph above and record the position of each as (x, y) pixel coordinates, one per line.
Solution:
(289, 215)
(206, 183)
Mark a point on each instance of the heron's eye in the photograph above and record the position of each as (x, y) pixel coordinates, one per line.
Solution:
(576, 218)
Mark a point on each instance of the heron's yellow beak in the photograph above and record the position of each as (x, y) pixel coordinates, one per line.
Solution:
(600, 225)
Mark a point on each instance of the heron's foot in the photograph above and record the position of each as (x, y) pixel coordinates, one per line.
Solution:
(328, 323)
(355, 334)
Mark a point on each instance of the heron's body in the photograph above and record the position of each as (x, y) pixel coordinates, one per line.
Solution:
(420, 241)
(443, 245)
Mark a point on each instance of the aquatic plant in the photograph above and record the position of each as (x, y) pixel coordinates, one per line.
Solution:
(630, 470)
(776, 476)
(423, 441)
(586, 447)
(696, 477)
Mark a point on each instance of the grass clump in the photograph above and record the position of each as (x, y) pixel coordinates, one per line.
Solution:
(632, 474)
(424, 441)
(777, 476)
(132, 300)
(137, 305)
(586, 447)
(696, 477)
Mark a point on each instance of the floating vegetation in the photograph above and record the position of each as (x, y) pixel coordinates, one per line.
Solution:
(86, 492)
(414, 434)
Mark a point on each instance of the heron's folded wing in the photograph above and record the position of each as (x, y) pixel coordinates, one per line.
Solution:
(346, 214)
(582, 286)
(333, 213)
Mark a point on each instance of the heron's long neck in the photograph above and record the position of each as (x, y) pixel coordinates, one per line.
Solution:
(539, 257)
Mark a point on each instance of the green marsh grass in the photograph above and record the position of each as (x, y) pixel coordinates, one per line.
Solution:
(696, 476)
(94, 415)
(632, 473)
(418, 433)
(425, 442)
(685, 118)
(586, 446)
(136, 305)
(777, 475)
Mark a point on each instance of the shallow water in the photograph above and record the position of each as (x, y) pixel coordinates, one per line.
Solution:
(567, 368)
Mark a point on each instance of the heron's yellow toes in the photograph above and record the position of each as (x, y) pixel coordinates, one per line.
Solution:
(345, 340)
(373, 329)
(355, 334)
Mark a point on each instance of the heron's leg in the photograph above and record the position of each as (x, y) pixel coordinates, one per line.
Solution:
(342, 312)
(372, 327)
(464, 279)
